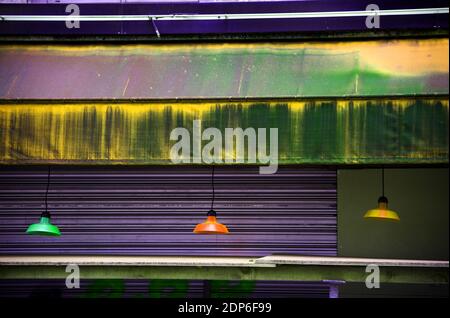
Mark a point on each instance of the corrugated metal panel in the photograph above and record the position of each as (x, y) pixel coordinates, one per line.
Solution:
(153, 210)
(133, 288)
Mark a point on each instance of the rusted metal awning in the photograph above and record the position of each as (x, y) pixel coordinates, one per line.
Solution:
(225, 70)
(411, 130)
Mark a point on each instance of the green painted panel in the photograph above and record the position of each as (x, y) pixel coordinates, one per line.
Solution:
(334, 131)
(308, 273)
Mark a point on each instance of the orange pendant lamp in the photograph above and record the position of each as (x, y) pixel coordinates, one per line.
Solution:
(211, 226)
(382, 212)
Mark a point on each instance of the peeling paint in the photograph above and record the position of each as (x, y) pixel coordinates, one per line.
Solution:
(315, 131)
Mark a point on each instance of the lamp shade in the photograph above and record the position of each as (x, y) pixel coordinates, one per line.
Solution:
(211, 226)
(44, 227)
(382, 212)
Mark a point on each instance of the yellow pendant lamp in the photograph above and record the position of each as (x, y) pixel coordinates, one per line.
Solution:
(382, 212)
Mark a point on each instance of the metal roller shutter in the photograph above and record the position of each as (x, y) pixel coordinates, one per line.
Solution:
(140, 210)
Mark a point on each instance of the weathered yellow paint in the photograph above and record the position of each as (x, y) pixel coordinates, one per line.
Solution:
(406, 130)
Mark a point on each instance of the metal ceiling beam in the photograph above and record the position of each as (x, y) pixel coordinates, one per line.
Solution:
(230, 16)
(306, 273)
(429, 272)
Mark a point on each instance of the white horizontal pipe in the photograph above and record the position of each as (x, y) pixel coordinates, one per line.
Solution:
(131, 261)
(240, 16)
(347, 261)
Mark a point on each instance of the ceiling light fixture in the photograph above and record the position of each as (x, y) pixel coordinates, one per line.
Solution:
(211, 226)
(382, 212)
(44, 227)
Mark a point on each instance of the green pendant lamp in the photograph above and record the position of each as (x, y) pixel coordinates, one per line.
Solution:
(44, 227)
(382, 212)
(211, 226)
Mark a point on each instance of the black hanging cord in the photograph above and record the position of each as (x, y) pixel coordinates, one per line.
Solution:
(213, 192)
(382, 199)
(46, 213)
